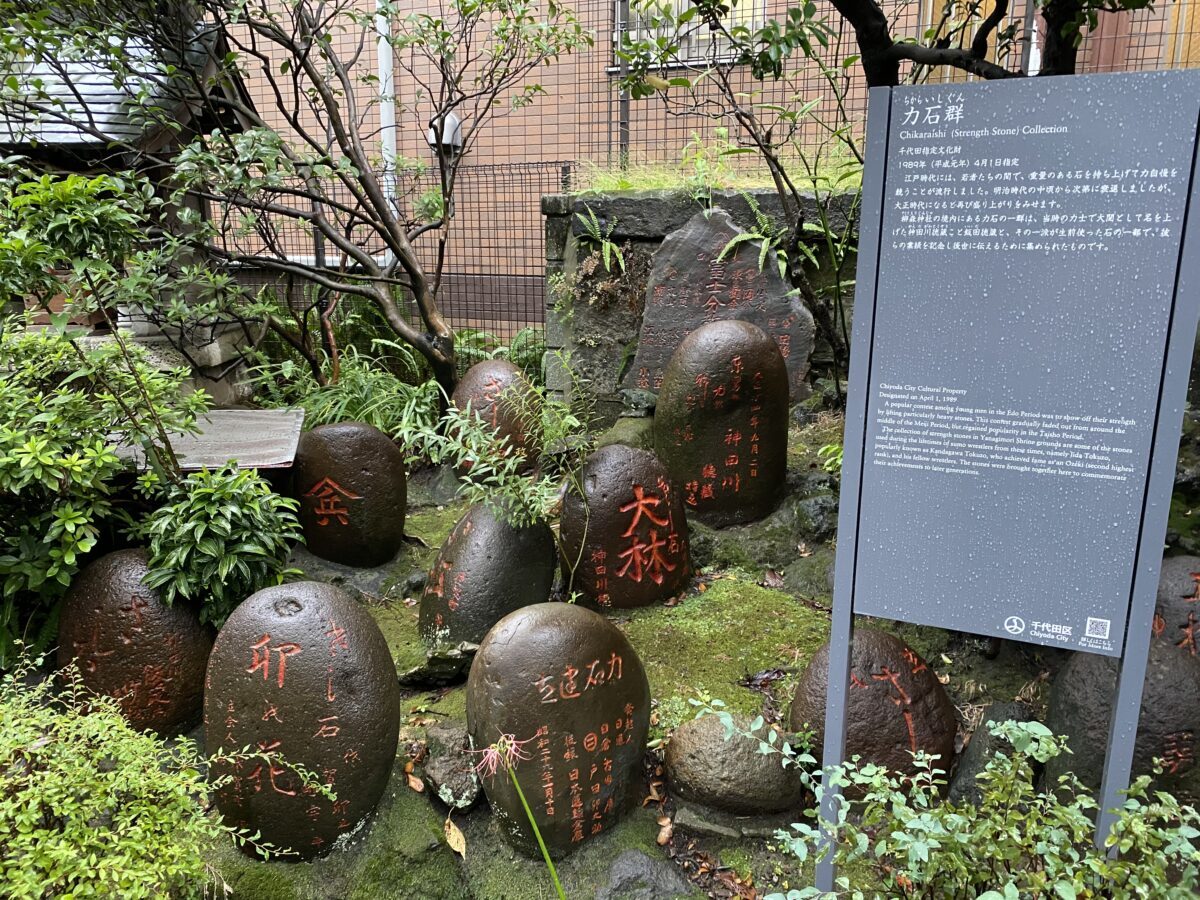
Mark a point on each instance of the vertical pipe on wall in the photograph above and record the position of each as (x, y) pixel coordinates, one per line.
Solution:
(385, 71)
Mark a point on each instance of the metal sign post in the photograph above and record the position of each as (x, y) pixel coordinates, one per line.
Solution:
(1029, 291)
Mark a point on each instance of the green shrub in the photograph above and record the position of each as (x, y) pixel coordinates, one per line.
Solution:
(217, 538)
(1018, 843)
(89, 807)
(61, 408)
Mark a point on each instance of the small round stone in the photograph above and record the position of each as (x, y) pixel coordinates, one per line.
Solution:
(730, 775)
(721, 422)
(563, 683)
(302, 674)
(486, 569)
(895, 705)
(131, 646)
(499, 394)
(352, 490)
(625, 538)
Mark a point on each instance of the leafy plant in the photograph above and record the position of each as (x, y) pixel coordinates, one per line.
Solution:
(601, 238)
(1018, 843)
(217, 538)
(62, 410)
(831, 457)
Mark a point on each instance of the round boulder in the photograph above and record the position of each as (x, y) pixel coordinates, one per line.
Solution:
(486, 569)
(721, 423)
(302, 674)
(1177, 610)
(730, 775)
(1081, 705)
(499, 394)
(625, 538)
(562, 687)
(352, 492)
(131, 646)
(894, 706)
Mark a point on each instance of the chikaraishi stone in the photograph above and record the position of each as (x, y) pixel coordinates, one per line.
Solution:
(352, 489)
(486, 569)
(1177, 609)
(562, 685)
(721, 423)
(626, 536)
(131, 646)
(895, 705)
(499, 394)
(302, 675)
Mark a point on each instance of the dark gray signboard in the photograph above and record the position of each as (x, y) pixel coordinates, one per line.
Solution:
(1028, 298)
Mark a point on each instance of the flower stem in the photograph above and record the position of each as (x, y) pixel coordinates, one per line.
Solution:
(512, 774)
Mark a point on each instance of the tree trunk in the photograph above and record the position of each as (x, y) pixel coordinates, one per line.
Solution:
(1060, 55)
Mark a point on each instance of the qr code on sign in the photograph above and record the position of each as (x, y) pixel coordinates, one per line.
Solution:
(1098, 628)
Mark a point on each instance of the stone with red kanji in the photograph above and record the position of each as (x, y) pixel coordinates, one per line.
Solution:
(499, 394)
(697, 278)
(560, 688)
(350, 482)
(722, 420)
(1177, 610)
(1081, 704)
(625, 538)
(895, 705)
(131, 646)
(486, 569)
(301, 675)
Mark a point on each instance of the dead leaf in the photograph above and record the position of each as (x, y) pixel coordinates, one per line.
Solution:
(944, 679)
(408, 767)
(416, 784)
(702, 588)
(664, 834)
(455, 838)
(803, 550)
(772, 579)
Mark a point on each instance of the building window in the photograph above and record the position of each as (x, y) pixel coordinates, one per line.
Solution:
(698, 44)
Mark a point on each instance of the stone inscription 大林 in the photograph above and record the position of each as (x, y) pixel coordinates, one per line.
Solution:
(935, 429)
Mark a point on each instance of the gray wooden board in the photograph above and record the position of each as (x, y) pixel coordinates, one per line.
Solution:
(254, 438)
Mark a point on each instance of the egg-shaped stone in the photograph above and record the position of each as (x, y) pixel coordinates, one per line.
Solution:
(301, 674)
(351, 484)
(131, 646)
(625, 534)
(721, 423)
(559, 689)
(499, 394)
(486, 569)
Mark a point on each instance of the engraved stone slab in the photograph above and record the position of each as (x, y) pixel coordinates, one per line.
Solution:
(721, 423)
(131, 646)
(690, 286)
(625, 539)
(565, 683)
(485, 570)
(498, 393)
(302, 673)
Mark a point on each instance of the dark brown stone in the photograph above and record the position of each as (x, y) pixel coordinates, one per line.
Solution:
(722, 421)
(626, 536)
(131, 646)
(352, 490)
(690, 286)
(894, 707)
(1081, 705)
(485, 570)
(564, 681)
(1177, 610)
(302, 673)
(498, 392)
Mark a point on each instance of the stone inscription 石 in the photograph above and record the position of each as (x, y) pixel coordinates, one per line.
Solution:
(1029, 249)
(694, 281)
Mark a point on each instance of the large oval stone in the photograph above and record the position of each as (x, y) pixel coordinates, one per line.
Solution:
(721, 423)
(625, 537)
(1177, 609)
(499, 394)
(302, 673)
(486, 569)
(895, 705)
(1081, 705)
(352, 491)
(131, 646)
(565, 683)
